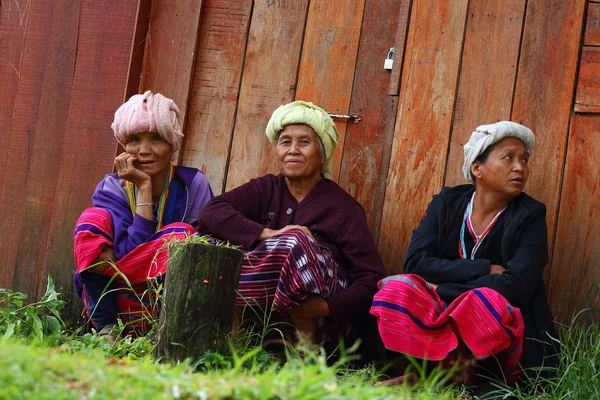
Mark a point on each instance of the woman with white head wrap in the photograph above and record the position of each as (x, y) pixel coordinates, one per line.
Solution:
(478, 254)
(310, 253)
(135, 210)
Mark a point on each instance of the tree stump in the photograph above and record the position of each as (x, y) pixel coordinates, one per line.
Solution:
(198, 300)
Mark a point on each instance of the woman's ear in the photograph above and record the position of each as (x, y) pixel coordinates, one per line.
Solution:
(476, 170)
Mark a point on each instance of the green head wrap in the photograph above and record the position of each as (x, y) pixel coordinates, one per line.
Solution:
(306, 113)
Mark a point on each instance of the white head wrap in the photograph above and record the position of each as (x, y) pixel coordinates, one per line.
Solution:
(304, 112)
(487, 135)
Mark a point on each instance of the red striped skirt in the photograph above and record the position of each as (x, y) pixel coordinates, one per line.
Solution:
(282, 271)
(413, 320)
(135, 273)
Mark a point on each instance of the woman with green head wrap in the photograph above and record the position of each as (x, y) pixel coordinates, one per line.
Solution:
(309, 252)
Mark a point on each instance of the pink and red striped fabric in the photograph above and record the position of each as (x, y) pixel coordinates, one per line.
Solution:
(413, 320)
(282, 271)
(93, 231)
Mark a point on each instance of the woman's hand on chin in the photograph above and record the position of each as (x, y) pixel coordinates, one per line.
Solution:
(124, 164)
(268, 233)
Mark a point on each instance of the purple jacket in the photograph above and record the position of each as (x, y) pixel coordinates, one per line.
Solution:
(128, 231)
(336, 220)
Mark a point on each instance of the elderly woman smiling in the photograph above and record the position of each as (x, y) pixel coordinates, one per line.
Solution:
(309, 251)
(476, 261)
(135, 210)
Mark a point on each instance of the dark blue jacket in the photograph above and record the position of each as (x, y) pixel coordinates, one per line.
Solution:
(524, 249)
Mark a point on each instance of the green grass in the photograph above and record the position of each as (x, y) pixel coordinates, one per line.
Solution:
(577, 375)
(39, 359)
(33, 372)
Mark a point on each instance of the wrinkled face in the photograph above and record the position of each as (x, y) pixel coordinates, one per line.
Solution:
(506, 169)
(153, 153)
(298, 152)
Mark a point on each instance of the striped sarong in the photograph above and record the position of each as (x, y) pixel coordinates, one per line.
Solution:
(136, 301)
(282, 271)
(413, 320)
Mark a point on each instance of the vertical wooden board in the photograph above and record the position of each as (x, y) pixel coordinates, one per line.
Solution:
(171, 50)
(216, 87)
(576, 261)
(487, 74)
(400, 46)
(592, 25)
(328, 60)
(423, 123)
(134, 76)
(14, 25)
(46, 62)
(269, 79)
(587, 97)
(365, 144)
(544, 92)
(99, 84)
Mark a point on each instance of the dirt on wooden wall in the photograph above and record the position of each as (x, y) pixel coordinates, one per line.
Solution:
(229, 63)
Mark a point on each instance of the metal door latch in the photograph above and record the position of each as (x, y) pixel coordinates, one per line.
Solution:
(354, 118)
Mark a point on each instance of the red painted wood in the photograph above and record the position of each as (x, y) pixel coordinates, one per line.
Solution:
(215, 87)
(400, 45)
(587, 98)
(170, 52)
(42, 58)
(423, 122)
(269, 79)
(544, 92)
(576, 262)
(492, 42)
(134, 76)
(592, 25)
(328, 61)
(99, 80)
(367, 149)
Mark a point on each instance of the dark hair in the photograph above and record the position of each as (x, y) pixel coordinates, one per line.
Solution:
(482, 158)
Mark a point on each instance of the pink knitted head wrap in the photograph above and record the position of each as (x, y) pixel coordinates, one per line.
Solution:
(148, 113)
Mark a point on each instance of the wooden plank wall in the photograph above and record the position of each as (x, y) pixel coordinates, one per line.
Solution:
(63, 68)
(230, 63)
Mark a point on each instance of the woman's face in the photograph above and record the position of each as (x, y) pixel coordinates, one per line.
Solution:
(153, 153)
(298, 152)
(506, 169)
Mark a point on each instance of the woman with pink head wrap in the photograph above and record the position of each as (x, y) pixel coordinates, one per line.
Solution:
(120, 241)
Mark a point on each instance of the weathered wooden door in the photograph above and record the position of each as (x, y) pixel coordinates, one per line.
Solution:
(254, 56)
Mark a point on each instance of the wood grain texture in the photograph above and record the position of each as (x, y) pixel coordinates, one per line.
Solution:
(487, 75)
(367, 146)
(587, 98)
(42, 56)
(328, 60)
(592, 25)
(170, 52)
(576, 262)
(99, 83)
(544, 93)
(269, 79)
(215, 87)
(138, 46)
(400, 46)
(199, 298)
(423, 123)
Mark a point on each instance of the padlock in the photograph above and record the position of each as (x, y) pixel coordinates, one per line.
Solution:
(389, 60)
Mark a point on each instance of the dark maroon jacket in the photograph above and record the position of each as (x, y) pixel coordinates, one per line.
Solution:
(336, 220)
